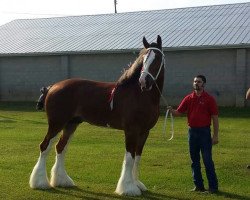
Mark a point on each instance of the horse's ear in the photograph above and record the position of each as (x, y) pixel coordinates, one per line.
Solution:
(145, 43)
(159, 42)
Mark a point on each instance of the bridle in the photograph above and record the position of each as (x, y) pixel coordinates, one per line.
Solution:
(146, 69)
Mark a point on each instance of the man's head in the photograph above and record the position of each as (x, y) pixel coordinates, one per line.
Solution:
(199, 83)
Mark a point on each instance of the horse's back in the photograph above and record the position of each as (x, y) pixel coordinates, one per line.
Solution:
(79, 98)
(80, 87)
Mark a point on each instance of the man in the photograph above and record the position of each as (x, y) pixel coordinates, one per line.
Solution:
(201, 108)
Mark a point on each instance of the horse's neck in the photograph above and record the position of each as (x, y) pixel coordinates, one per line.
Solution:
(130, 76)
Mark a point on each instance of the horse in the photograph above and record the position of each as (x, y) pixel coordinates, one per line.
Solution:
(131, 104)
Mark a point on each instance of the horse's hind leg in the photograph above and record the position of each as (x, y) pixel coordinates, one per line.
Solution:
(38, 177)
(59, 176)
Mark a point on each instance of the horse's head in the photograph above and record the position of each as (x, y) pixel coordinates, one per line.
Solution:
(153, 62)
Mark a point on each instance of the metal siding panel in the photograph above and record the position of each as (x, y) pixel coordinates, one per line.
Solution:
(183, 27)
(246, 40)
(177, 31)
(220, 26)
(197, 28)
(204, 26)
(228, 39)
(244, 37)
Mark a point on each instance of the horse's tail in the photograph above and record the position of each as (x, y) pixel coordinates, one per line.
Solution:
(41, 100)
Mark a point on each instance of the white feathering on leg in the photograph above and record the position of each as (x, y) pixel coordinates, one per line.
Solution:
(136, 174)
(126, 184)
(38, 177)
(59, 176)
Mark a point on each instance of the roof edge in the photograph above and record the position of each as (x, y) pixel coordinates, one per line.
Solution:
(118, 51)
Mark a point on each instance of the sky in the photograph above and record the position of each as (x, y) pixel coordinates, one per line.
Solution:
(28, 9)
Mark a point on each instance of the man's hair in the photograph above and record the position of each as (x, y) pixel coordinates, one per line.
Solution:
(203, 78)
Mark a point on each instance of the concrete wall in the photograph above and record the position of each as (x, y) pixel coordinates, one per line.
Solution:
(217, 65)
(21, 77)
(227, 72)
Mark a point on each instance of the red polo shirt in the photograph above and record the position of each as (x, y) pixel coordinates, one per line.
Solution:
(199, 109)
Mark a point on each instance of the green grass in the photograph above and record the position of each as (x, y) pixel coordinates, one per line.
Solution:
(95, 156)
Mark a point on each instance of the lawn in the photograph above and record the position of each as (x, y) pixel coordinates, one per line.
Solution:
(95, 156)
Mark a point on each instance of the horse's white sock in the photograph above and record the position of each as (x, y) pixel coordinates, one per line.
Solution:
(136, 174)
(59, 176)
(126, 184)
(38, 177)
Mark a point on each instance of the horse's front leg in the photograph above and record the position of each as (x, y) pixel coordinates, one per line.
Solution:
(126, 184)
(140, 144)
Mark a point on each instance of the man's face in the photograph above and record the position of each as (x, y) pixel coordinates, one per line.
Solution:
(198, 84)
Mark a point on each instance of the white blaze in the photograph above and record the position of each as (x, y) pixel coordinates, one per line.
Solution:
(148, 59)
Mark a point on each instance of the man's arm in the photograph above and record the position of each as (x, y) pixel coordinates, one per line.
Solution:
(174, 112)
(215, 137)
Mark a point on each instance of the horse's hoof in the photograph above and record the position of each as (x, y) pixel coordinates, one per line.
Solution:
(61, 181)
(60, 178)
(131, 190)
(39, 179)
(141, 186)
(43, 185)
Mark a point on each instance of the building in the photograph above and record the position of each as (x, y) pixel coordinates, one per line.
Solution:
(209, 40)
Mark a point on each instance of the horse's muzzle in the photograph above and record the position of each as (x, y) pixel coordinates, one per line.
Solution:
(146, 83)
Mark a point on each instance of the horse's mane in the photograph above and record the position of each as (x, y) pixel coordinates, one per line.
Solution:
(132, 74)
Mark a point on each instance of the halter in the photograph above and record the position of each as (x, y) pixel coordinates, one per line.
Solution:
(145, 69)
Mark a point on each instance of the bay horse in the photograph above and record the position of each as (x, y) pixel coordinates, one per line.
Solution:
(130, 104)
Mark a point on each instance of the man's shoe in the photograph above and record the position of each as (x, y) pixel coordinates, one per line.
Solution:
(212, 190)
(198, 189)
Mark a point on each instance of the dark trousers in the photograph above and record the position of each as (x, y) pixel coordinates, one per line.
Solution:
(200, 141)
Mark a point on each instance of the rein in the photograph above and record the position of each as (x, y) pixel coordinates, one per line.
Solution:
(168, 113)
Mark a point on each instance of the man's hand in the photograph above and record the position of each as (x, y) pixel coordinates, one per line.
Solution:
(215, 140)
(173, 111)
(215, 120)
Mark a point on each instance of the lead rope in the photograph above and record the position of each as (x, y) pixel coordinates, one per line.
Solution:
(166, 117)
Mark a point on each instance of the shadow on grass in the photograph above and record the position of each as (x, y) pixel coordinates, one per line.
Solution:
(76, 192)
(35, 122)
(4, 119)
(232, 196)
(7, 119)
